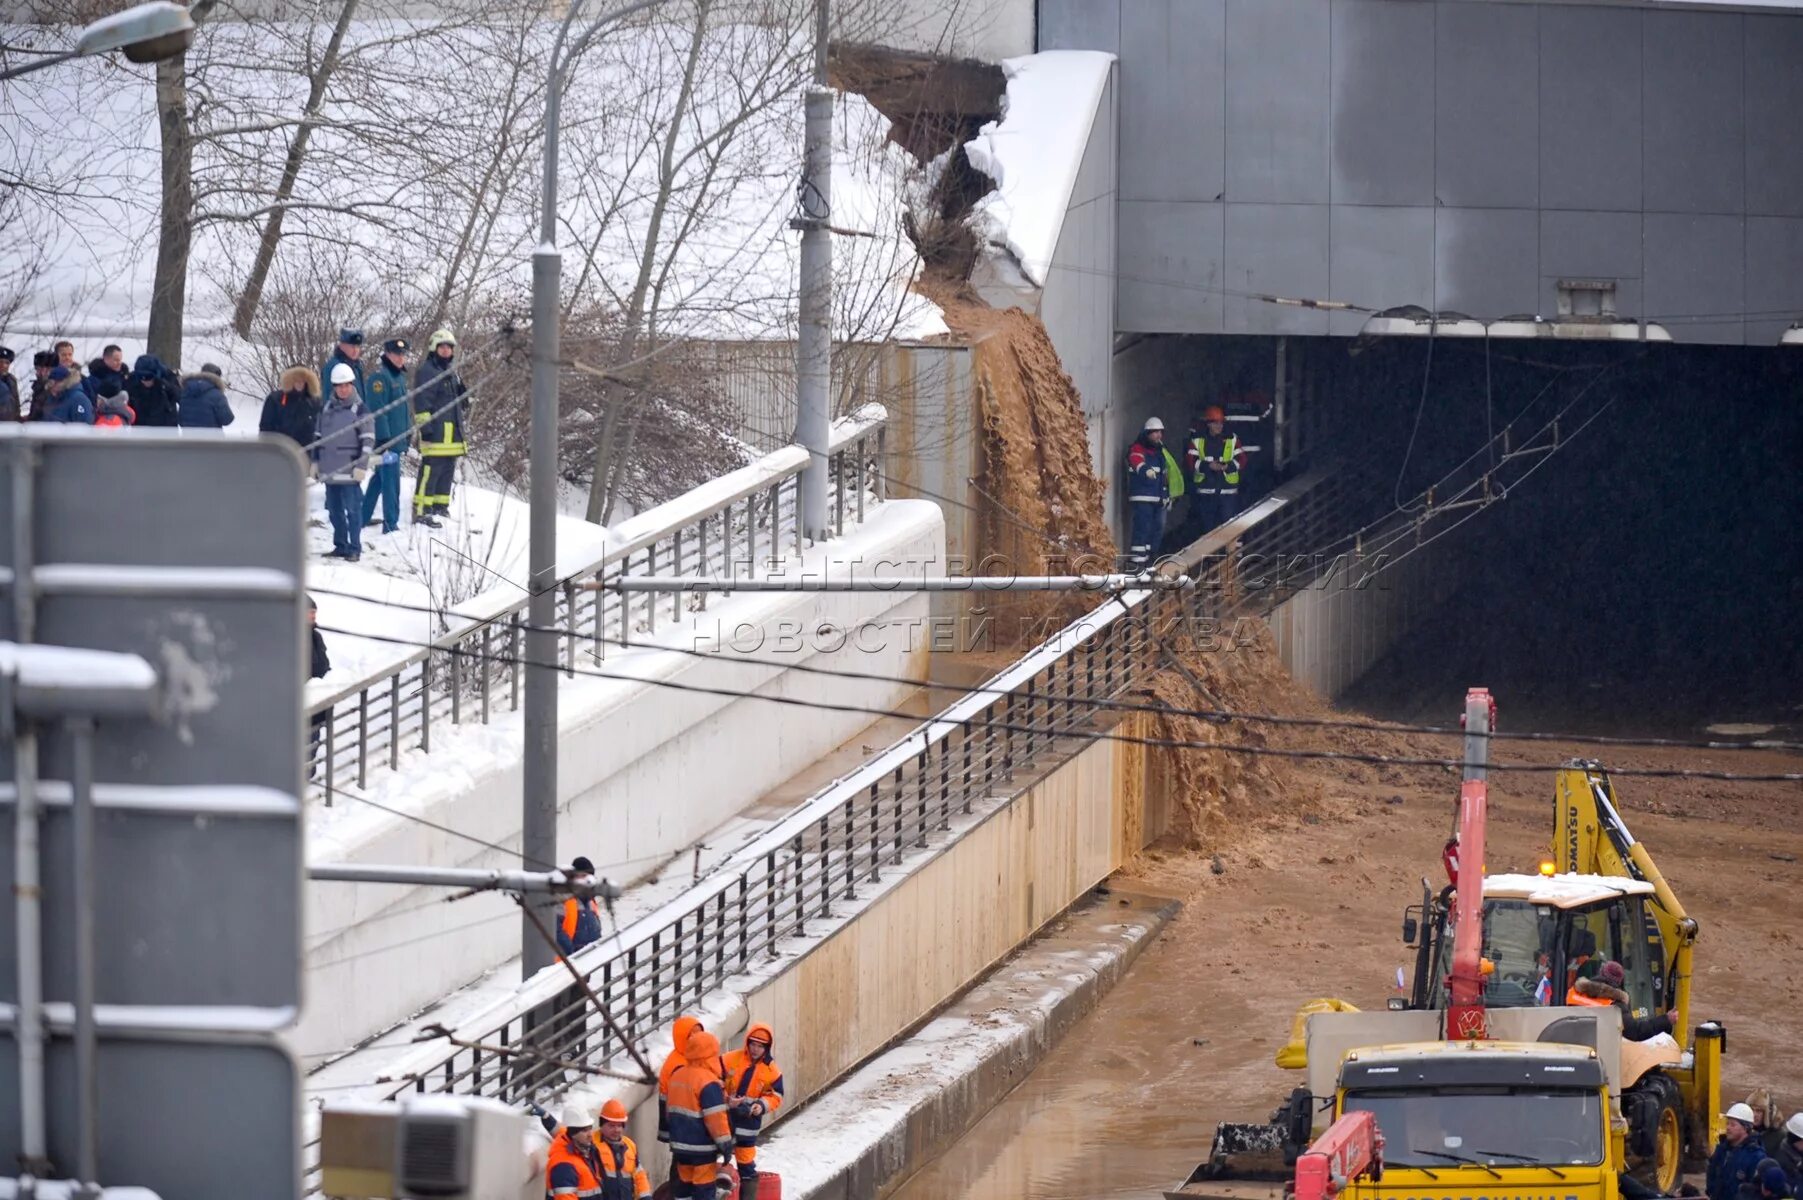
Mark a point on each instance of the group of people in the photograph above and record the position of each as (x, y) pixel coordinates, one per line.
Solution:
(1749, 1164)
(1208, 472)
(109, 395)
(710, 1106)
(368, 416)
(711, 1109)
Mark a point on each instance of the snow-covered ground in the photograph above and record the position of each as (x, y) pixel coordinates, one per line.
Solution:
(1034, 152)
(473, 565)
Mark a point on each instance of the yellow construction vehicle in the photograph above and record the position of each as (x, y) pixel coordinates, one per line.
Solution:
(1449, 1069)
(1598, 897)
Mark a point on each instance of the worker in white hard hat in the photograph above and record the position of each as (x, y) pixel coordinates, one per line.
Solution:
(1788, 1153)
(573, 1168)
(1154, 480)
(1735, 1163)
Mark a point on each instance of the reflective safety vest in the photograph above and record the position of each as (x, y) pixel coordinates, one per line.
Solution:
(1145, 487)
(699, 1131)
(621, 1176)
(1226, 452)
(751, 1081)
(571, 1170)
(580, 926)
(1578, 999)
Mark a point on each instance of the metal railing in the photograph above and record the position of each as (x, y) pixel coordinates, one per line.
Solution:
(852, 834)
(743, 522)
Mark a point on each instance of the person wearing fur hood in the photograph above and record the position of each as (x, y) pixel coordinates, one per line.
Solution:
(203, 403)
(293, 408)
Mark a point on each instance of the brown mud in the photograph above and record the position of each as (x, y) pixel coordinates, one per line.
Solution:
(1294, 875)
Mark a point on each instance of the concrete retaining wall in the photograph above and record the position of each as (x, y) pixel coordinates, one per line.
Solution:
(1331, 634)
(644, 772)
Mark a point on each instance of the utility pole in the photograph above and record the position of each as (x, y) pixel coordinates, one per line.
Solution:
(814, 344)
(538, 816)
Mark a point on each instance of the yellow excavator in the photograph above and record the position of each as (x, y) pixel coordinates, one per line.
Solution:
(1491, 1075)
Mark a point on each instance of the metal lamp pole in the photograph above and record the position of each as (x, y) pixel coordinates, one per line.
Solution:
(538, 829)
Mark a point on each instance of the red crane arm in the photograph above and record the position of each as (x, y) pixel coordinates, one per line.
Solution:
(1351, 1147)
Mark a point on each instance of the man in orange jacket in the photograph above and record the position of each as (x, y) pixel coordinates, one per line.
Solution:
(700, 1134)
(621, 1176)
(680, 1030)
(573, 1168)
(754, 1090)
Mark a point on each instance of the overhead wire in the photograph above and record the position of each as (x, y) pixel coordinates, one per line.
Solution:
(1037, 730)
(1217, 715)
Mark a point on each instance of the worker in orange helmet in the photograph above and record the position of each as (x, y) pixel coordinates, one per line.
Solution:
(754, 1090)
(680, 1030)
(621, 1176)
(1214, 459)
(700, 1133)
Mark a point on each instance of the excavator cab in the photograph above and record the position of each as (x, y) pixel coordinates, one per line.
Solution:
(1543, 934)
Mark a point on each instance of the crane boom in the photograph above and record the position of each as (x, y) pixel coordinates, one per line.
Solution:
(1465, 1017)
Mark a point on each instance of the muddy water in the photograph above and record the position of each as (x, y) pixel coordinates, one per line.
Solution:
(1117, 1110)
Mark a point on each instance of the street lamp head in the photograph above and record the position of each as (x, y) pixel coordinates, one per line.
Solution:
(146, 32)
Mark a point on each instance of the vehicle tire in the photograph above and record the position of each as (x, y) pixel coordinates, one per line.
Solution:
(1659, 1132)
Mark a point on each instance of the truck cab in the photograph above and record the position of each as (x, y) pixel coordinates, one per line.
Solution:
(1484, 1120)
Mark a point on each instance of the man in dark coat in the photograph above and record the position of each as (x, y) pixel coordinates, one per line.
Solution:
(11, 408)
(152, 393)
(293, 408)
(67, 402)
(349, 351)
(322, 663)
(386, 392)
(42, 363)
(105, 371)
(203, 402)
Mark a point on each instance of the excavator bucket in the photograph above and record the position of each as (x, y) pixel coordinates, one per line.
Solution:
(1252, 1162)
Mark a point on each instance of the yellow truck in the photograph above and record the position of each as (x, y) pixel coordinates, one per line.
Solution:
(1525, 1097)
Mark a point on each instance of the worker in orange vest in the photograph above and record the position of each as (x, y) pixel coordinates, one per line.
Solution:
(581, 924)
(621, 1176)
(700, 1134)
(680, 1030)
(754, 1090)
(573, 1167)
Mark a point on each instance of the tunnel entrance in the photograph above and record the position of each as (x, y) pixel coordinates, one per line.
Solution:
(1647, 576)
(1615, 520)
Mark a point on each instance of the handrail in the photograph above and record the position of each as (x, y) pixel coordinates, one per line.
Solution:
(745, 514)
(844, 836)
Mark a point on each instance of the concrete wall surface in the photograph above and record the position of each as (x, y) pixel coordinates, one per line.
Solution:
(644, 772)
(1459, 155)
(928, 935)
(1330, 634)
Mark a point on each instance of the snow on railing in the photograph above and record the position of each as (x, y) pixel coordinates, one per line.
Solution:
(881, 818)
(740, 522)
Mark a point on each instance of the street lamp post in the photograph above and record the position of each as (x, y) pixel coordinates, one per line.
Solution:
(538, 829)
(147, 33)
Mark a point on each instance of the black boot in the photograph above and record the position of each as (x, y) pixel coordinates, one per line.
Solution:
(748, 1182)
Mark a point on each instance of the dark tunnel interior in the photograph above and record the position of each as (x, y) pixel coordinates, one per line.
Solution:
(1647, 576)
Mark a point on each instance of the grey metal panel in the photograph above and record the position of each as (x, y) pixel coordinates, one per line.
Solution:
(1170, 272)
(1485, 260)
(1172, 102)
(1080, 25)
(1279, 250)
(1383, 110)
(1695, 132)
(1382, 258)
(1774, 282)
(1487, 107)
(1077, 302)
(1774, 98)
(1590, 112)
(181, 1119)
(1695, 275)
(1277, 62)
(1591, 245)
